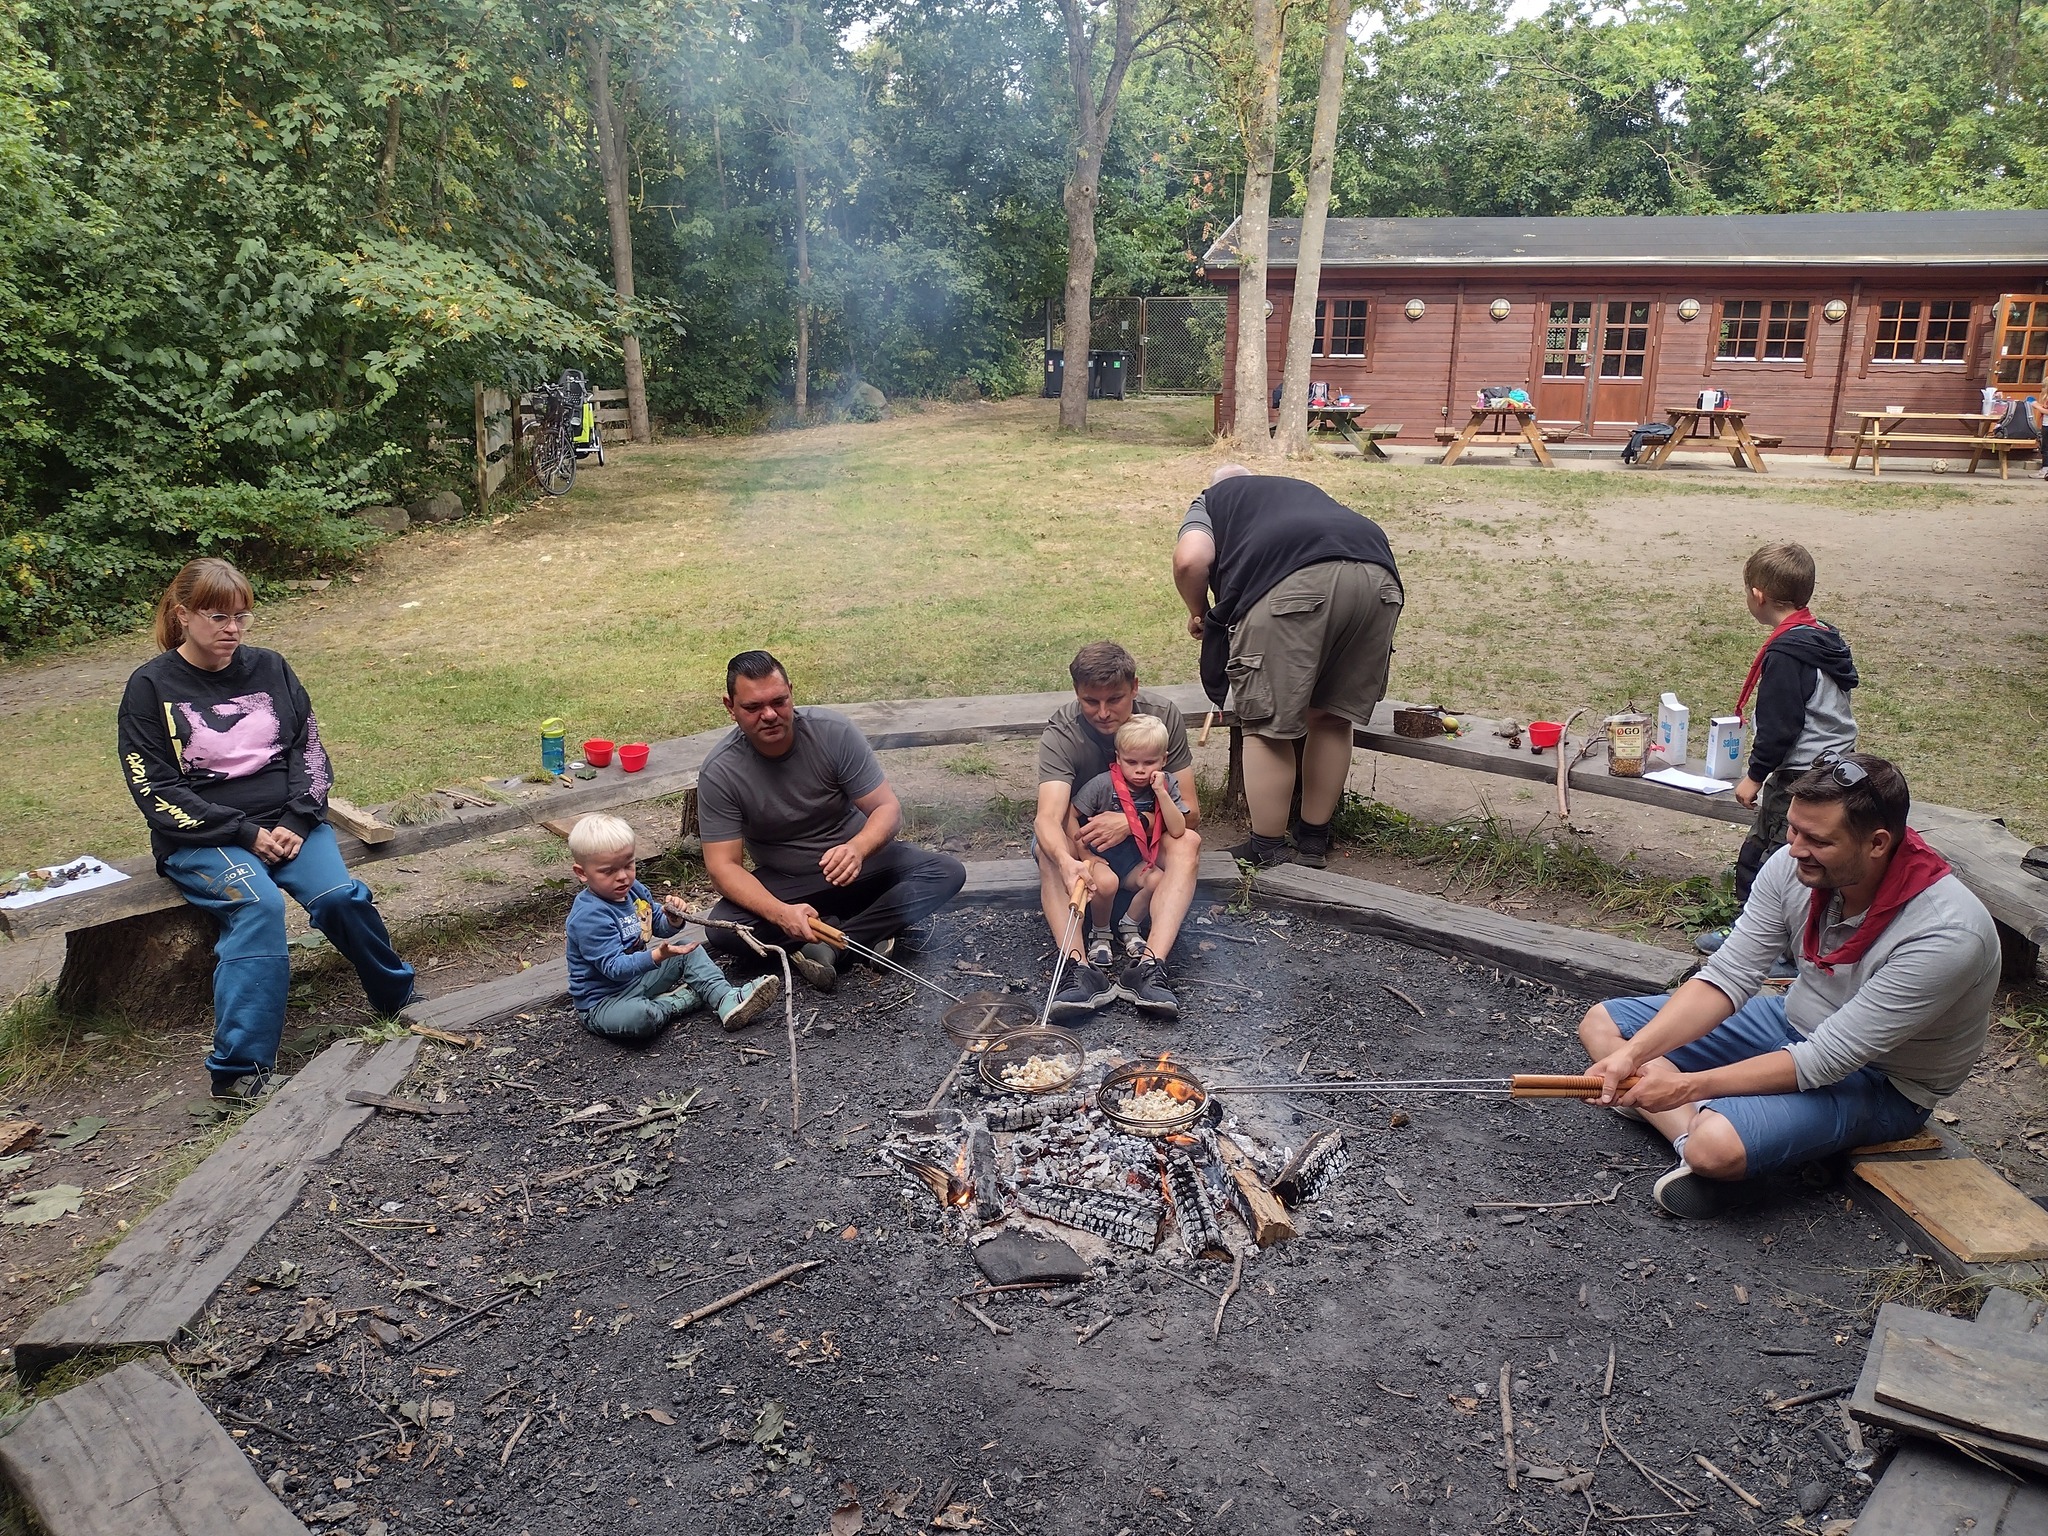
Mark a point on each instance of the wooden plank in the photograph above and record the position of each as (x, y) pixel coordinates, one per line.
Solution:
(1893, 1318)
(1935, 1492)
(1925, 1141)
(2010, 1312)
(164, 1272)
(134, 1454)
(361, 823)
(1569, 956)
(1965, 1206)
(538, 986)
(1978, 1387)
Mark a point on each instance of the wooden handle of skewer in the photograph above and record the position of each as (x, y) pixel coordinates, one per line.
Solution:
(826, 932)
(1077, 899)
(1207, 720)
(1541, 1085)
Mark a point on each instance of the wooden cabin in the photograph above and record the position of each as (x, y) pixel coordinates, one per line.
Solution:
(1801, 318)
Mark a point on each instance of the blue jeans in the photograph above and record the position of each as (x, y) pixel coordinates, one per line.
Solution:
(1781, 1130)
(252, 971)
(680, 985)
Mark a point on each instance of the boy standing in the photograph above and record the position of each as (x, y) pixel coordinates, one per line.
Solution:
(1148, 797)
(629, 975)
(1800, 682)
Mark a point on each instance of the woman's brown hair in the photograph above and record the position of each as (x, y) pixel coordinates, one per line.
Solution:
(206, 585)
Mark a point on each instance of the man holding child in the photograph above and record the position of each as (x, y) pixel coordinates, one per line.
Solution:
(802, 791)
(1138, 835)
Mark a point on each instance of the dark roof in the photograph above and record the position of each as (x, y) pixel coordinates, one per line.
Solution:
(1971, 238)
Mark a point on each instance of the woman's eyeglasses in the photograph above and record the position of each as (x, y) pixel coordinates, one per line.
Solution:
(240, 620)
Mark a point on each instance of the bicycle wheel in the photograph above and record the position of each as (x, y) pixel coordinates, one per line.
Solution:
(554, 460)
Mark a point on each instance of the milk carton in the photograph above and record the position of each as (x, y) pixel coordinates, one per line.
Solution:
(1724, 747)
(1674, 726)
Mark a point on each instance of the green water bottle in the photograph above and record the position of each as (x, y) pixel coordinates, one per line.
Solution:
(553, 759)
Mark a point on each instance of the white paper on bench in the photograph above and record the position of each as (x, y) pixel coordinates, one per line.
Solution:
(98, 875)
(1695, 783)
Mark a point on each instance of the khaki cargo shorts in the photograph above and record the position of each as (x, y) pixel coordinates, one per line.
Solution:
(1320, 639)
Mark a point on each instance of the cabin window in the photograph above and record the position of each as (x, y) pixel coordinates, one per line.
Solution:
(1568, 339)
(1340, 328)
(1922, 331)
(1763, 331)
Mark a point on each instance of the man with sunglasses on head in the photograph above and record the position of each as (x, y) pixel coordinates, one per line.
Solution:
(1898, 966)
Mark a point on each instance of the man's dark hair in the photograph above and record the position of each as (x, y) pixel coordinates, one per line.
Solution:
(1101, 663)
(753, 665)
(1878, 798)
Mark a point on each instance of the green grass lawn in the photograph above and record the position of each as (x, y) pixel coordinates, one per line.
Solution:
(971, 550)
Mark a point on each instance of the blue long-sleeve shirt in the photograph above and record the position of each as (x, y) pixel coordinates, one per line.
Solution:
(608, 947)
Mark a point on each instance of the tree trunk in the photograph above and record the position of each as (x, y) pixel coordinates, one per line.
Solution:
(611, 161)
(1292, 438)
(1094, 114)
(803, 244)
(1250, 425)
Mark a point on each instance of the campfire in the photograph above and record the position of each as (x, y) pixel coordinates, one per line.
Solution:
(1138, 1155)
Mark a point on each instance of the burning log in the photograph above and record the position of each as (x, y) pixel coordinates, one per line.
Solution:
(1128, 1219)
(1261, 1208)
(1021, 1117)
(1321, 1159)
(1195, 1210)
(982, 1173)
(938, 1180)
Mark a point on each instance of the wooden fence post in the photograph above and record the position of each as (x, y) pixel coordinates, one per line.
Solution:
(483, 452)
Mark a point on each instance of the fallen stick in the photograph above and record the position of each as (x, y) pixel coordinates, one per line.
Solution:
(403, 1106)
(1396, 991)
(466, 1318)
(1544, 1205)
(1819, 1396)
(447, 1036)
(1607, 1387)
(754, 942)
(752, 1288)
(1728, 1482)
(946, 1082)
(1093, 1329)
(1236, 1275)
(1394, 1392)
(666, 1111)
(1507, 1427)
(983, 1318)
(513, 1439)
(1660, 1484)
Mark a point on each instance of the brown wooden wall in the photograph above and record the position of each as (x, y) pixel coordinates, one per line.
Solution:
(1410, 375)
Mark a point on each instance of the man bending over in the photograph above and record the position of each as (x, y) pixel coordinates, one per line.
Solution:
(801, 789)
(1898, 966)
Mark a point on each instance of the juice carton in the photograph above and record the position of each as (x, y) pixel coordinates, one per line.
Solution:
(1724, 747)
(1674, 729)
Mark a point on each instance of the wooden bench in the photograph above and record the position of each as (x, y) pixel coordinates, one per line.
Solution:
(1879, 430)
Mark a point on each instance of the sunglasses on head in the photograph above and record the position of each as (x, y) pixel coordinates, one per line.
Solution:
(1845, 773)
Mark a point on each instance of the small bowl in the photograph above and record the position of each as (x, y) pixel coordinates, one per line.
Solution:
(1135, 1079)
(1012, 1050)
(633, 756)
(1544, 733)
(978, 1020)
(1895, 410)
(597, 753)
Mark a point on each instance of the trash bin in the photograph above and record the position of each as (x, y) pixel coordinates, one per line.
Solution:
(1108, 373)
(1055, 373)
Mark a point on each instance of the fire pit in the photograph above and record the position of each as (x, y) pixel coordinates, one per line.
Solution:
(1153, 1099)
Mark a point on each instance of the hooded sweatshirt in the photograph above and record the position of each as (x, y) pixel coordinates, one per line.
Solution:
(1802, 701)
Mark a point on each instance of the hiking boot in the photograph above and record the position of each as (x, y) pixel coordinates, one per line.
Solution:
(1128, 939)
(813, 962)
(1262, 852)
(250, 1086)
(1144, 983)
(746, 1002)
(1312, 844)
(1100, 956)
(1710, 942)
(1683, 1193)
(1085, 991)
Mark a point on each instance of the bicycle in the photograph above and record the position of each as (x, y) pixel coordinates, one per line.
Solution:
(552, 447)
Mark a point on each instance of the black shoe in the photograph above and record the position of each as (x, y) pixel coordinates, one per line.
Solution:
(1312, 844)
(813, 962)
(249, 1087)
(1086, 991)
(1683, 1193)
(1143, 982)
(1262, 852)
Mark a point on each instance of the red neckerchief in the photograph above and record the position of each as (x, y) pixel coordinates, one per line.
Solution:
(1148, 838)
(1914, 867)
(1798, 618)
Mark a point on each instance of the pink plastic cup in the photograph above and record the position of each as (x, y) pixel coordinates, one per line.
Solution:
(597, 753)
(633, 756)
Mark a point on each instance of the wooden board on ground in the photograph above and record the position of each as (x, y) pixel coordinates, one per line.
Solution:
(1925, 1141)
(162, 1274)
(538, 986)
(1981, 1387)
(133, 1454)
(1570, 956)
(1965, 1206)
(2012, 1313)
(1930, 1491)
(1893, 1318)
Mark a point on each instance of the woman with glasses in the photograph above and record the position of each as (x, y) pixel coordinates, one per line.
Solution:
(220, 749)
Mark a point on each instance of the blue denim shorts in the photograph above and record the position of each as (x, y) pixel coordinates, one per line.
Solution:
(1782, 1130)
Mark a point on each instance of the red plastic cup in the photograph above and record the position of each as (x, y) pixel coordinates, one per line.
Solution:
(597, 753)
(1544, 733)
(633, 756)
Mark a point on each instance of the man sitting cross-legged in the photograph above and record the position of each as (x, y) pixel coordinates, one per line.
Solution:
(1078, 745)
(1898, 966)
(801, 789)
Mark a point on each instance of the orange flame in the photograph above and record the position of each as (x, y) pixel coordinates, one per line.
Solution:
(961, 1188)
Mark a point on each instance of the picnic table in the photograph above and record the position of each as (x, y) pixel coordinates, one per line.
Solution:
(1718, 428)
(1498, 414)
(1878, 430)
(1348, 422)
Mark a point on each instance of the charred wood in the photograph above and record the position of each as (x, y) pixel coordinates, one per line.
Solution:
(1321, 1159)
(1128, 1219)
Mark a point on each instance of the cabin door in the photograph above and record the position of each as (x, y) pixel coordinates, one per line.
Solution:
(1621, 388)
(1567, 362)
(2020, 354)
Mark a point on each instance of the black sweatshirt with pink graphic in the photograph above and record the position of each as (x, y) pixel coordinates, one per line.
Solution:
(213, 758)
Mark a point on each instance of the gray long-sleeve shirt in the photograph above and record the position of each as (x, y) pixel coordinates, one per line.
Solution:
(1916, 1006)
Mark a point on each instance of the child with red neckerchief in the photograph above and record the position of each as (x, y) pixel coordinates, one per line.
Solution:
(1139, 785)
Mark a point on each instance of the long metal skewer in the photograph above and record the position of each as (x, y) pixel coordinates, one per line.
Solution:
(1523, 1085)
(1076, 904)
(829, 935)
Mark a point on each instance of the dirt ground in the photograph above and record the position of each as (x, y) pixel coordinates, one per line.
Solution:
(1354, 1385)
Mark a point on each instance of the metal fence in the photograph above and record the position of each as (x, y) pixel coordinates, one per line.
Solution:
(1176, 340)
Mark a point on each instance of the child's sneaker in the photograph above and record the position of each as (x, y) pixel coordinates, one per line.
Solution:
(1099, 954)
(1128, 939)
(746, 1002)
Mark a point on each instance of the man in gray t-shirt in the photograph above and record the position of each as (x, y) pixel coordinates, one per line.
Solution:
(801, 790)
